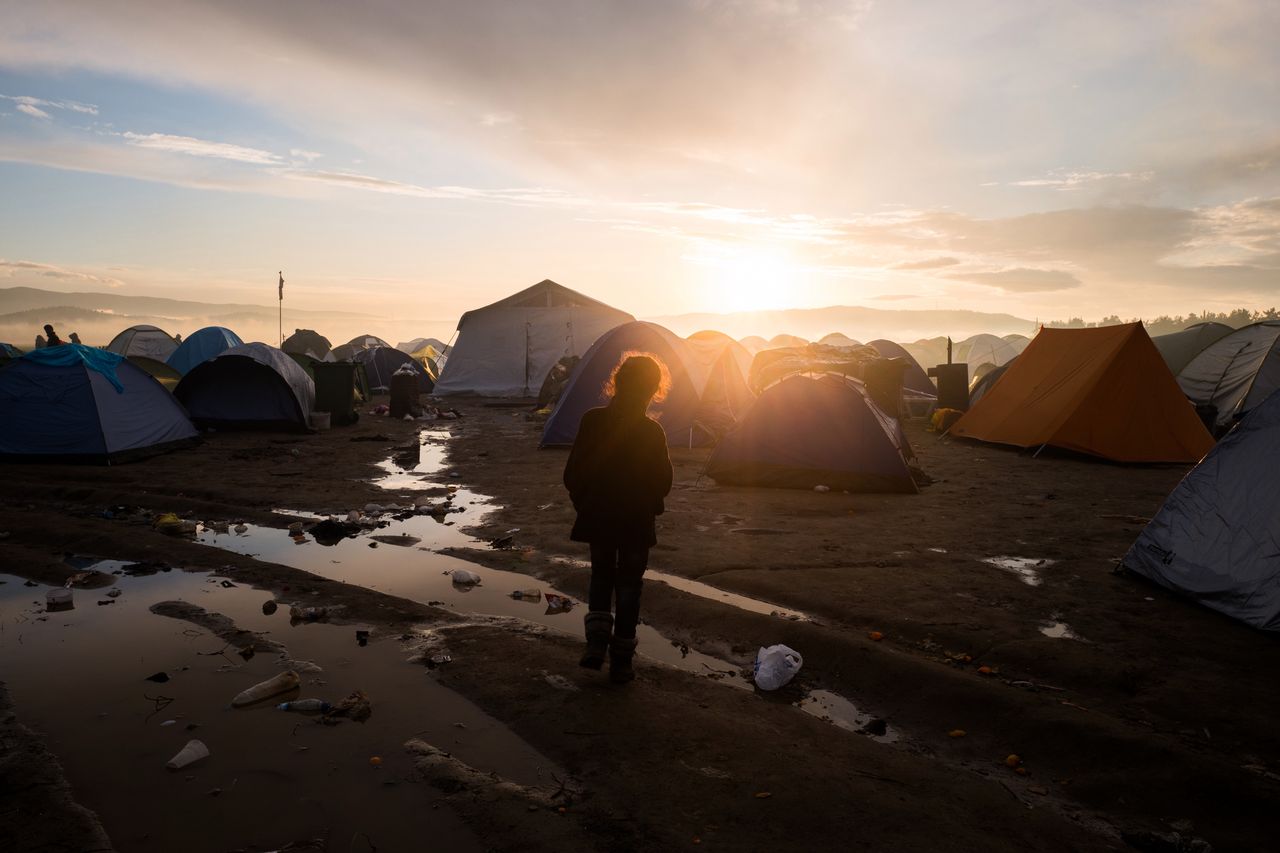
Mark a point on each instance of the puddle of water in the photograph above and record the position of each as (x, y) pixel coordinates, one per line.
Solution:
(409, 467)
(1027, 569)
(78, 677)
(1059, 631)
(843, 714)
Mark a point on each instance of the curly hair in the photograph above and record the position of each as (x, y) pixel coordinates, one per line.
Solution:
(639, 374)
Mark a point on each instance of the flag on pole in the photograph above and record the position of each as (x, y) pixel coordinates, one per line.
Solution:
(282, 285)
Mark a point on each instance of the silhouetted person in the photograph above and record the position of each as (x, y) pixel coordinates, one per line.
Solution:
(617, 475)
(53, 339)
(75, 339)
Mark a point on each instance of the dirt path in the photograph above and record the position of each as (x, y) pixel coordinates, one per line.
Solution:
(1154, 722)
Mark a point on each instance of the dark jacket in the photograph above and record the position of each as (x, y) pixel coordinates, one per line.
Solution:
(617, 475)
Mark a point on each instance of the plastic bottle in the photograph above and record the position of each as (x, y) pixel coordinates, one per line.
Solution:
(282, 683)
(527, 595)
(307, 614)
(59, 599)
(306, 706)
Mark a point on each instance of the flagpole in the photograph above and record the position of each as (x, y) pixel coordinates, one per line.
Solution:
(280, 319)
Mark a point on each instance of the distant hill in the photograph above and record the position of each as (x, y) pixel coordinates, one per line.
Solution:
(855, 321)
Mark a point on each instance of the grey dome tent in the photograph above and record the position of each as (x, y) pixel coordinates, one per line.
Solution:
(75, 403)
(805, 431)
(149, 341)
(307, 342)
(914, 377)
(1217, 537)
(381, 362)
(507, 348)
(1236, 373)
(252, 386)
(1179, 348)
(347, 351)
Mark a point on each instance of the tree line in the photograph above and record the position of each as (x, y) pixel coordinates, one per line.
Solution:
(1164, 324)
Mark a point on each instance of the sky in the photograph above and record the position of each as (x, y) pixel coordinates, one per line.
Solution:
(413, 159)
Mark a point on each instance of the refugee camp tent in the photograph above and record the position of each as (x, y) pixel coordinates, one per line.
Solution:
(783, 340)
(928, 352)
(914, 378)
(347, 351)
(143, 340)
(418, 343)
(838, 339)
(202, 345)
(381, 362)
(985, 380)
(1179, 348)
(252, 386)
(1215, 539)
(978, 350)
(8, 352)
(430, 357)
(161, 372)
(1236, 373)
(76, 403)
(1102, 391)
(686, 418)
(307, 342)
(814, 431)
(725, 395)
(507, 348)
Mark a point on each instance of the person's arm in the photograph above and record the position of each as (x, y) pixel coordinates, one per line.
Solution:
(662, 469)
(575, 470)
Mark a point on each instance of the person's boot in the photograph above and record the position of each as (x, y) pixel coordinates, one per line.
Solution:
(599, 628)
(621, 651)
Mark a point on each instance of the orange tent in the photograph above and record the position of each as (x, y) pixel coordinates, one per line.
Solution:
(1105, 391)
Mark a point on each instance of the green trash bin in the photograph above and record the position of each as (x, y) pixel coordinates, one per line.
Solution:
(336, 390)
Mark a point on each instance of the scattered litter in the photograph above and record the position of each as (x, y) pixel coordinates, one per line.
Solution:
(113, 593)
(227, 585)
(101, 602)
(375, 760)
(775, 666)
(502, 542)
(820, 489)
(59, 599)
(464, 577)
(559, 682)
(308, 614)
(362, 638)
(159, 677)
(876, 636)
(957, 733)
(306, 706)
(282, 683)
(356, 707)
(169, 723)
(533, 595)
(268, 607)
(558, 603)
(191, 753)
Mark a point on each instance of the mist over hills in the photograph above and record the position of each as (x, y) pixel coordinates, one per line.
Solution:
(98, 316)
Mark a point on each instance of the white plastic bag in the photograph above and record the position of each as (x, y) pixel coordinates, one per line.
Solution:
(463, 577)
(775, 666)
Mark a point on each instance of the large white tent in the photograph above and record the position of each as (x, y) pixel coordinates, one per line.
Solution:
(507, 348)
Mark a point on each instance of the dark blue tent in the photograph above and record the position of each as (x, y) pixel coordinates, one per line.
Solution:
(914, 378)
(75, 403)
(252, 386)
(380, 362)
(804, 432)
(1217, 537)
(201, 346)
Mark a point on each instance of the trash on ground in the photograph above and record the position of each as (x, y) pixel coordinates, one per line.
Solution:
(113, 593)
(464, 577)
(558, 603)
(356, 707)
(306, 706)
(822, 488)
(191, 753)
(775, 666)
(59, 599)
(282, 683)
(308, 614)
(362, 638)
(158, 677)
(534, 595)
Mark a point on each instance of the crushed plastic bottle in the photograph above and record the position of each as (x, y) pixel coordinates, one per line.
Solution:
(308, 614)
(282, 683)
(191, 753)
(306, 706)
(527, 595)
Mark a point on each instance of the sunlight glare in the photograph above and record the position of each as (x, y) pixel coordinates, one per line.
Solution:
(749, 278)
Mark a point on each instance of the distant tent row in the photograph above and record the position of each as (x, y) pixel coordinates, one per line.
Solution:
(1102, 391)
(143, 340)
(1236, 373)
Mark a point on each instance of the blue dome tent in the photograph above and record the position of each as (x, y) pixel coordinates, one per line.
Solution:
(252, 386)
(201, 346)
(76, 403)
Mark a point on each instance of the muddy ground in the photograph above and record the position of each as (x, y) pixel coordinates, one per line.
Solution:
(1141, 721)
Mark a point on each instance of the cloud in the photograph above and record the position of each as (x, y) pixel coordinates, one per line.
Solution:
(1065, 180)
(30, 270)
(927, 264)
(32, 111)
(203, 148)
(303, 154)
(1021, 279)
(39, 103)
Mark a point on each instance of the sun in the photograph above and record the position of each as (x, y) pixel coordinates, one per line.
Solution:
(748, 278)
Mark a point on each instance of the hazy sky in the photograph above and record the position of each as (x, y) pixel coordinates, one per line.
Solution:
(421, 158)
